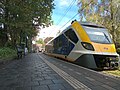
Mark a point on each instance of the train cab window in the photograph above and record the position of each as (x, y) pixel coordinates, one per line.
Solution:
(71, 35)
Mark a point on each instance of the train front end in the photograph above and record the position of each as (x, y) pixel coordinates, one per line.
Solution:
(99, 49)
(105, 53)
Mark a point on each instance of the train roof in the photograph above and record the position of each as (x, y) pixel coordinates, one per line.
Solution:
(89, 24)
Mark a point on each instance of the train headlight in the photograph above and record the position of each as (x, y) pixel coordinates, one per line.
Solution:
(87, 46)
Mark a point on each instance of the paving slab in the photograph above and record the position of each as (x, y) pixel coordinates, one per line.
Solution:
(94, 80)
(40, 72)
(31, 73)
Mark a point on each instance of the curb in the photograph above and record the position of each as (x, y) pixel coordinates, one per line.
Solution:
(5, 61)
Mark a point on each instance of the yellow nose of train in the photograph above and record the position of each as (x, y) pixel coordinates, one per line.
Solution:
(98, 47)
(106, 48)
(99, 50)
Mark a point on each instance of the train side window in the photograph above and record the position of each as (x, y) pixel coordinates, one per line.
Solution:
(71, 35)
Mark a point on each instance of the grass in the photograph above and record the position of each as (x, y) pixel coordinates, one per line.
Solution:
(113, 72)
(7, 53)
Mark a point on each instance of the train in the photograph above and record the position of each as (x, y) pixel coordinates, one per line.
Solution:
(86, 44)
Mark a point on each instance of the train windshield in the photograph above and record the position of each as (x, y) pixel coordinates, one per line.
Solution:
(98, 35)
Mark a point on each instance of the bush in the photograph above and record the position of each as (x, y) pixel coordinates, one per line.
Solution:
(7, 53)
(118, 50)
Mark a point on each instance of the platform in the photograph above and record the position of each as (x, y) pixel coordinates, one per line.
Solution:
(40, 72)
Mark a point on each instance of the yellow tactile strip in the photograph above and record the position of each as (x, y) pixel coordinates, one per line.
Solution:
(72, 81)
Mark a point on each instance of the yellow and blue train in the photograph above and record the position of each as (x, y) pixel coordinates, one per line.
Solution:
(89, 45)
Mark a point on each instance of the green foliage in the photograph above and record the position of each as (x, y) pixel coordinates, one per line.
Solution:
(105, 12)
(21, 17)
(40, 41)
(6, 53)
(118, 50)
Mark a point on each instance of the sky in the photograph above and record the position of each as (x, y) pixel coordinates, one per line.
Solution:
(61, 6)
(60, 16)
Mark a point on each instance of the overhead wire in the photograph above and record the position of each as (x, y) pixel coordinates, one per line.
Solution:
(67, 10)
(75, 15)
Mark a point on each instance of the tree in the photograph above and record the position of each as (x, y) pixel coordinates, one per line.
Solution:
(40, 41)
(20, 18)
(105, 12)
(3, 33)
